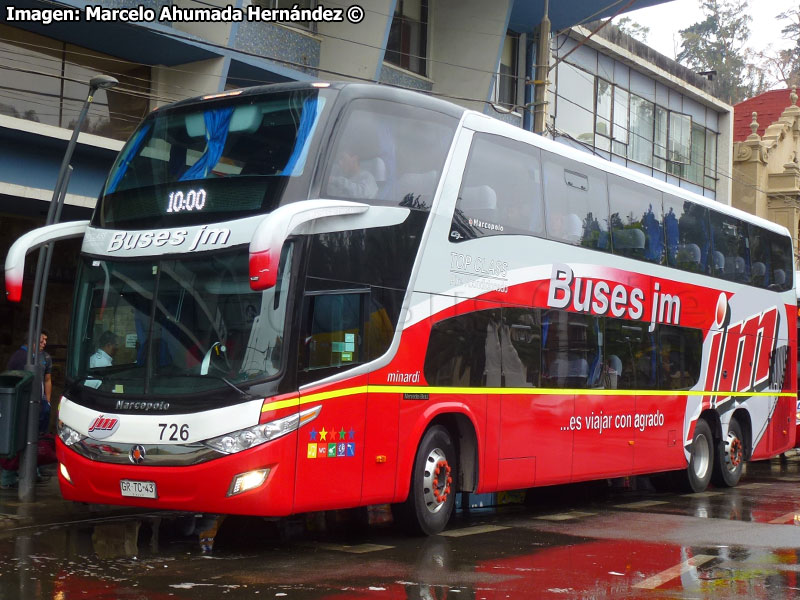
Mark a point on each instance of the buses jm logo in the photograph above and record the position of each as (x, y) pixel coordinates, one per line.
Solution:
(741, 354)
(103, 427)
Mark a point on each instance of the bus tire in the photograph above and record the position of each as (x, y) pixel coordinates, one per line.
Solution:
(432, 496)
(701, 458)
(729, 457)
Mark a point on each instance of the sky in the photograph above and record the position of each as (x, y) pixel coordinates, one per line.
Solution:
(667, 19)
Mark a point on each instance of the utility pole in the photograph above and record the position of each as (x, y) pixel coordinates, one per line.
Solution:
(33, 363)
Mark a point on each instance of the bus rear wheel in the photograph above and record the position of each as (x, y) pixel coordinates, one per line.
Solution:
(729, 457)
(432, 496)
(701, 458)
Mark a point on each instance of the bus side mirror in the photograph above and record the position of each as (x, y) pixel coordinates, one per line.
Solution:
(15, 261)
(306, 217)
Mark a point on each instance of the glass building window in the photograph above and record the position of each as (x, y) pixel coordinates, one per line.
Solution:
(642, 122)
(620, 129)
(505, 88)
(46, 81)
(603, 104)
(575, 110)
(679, 144)
(408, 36)
(607, 117)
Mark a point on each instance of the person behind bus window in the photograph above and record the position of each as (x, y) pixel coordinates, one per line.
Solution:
(104, 357)
(349, 178)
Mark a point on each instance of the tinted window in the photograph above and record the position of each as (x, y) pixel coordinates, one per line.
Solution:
(571, 355)
(771, 256)
(464, 351)
(577, 203)
(521, 347)
(630, 358)
(731, 254)
(636, 220)
(679, 352)
(687, 235)
(501, 192)
(390, 153)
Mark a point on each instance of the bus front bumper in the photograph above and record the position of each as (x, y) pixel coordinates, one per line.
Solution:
(210, 487)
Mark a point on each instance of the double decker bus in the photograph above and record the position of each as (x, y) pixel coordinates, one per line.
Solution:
(265, 325)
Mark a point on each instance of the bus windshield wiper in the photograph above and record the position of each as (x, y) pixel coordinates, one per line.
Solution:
(225, 380)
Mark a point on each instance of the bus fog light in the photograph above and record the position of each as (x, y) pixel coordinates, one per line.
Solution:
(64, 472)
(247, 481)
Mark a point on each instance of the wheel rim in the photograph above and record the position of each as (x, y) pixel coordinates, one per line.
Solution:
(701, 457)
(733, 452)
(436, 480)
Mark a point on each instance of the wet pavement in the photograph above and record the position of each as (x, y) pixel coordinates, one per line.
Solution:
(584, 541)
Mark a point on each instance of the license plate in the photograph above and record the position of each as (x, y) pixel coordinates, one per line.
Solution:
(138, 489)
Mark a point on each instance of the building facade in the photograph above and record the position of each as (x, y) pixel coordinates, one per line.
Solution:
(766, 173)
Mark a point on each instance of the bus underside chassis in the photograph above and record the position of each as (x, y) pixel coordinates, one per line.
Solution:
(432, 495)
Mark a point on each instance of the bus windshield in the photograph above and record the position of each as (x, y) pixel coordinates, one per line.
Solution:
(171, 327)
(213, 161)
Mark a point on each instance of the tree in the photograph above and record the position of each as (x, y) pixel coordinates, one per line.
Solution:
(717, 43)
(782, 67)
(630, 27)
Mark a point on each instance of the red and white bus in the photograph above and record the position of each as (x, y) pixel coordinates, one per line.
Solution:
(463, 306)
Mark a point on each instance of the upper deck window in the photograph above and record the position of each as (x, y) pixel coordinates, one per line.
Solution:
(212, 161)
(388, 153)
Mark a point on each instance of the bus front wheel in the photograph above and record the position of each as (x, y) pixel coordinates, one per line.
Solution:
(432, 496)
(701, 459)
(729, 457)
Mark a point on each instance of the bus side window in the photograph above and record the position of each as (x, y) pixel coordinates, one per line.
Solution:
(637, 229)
(463, 351)
(729, 237)
(521, 347)
(501, 192)
(688, 235)
(630, 361)
(576, 203)
(571, 353)
(680, 351)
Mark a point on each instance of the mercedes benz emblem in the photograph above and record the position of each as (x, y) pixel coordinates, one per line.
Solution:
(137, 454)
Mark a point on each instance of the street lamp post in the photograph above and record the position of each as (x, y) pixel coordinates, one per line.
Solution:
(33, 364)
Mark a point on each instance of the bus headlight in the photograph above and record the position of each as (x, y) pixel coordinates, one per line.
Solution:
(237, 441)
(68, 435)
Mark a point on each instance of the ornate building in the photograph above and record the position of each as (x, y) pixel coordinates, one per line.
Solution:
(766, 173)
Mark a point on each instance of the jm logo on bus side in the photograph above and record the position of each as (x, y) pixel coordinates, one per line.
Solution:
(103, 427)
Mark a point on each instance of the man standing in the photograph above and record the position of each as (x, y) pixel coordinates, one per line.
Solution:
(8, 477)
(17, 363)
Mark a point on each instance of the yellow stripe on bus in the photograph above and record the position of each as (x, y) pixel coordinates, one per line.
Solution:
(493, 391)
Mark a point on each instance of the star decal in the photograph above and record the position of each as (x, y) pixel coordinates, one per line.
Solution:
(342, 434)
(313, 434)
(323, 435)
(351, 434)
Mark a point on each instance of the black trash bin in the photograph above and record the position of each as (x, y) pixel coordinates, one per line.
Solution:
(15, 393)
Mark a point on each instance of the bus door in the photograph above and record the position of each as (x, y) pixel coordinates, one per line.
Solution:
(535, 439)
(603, 434)
(331, 449)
